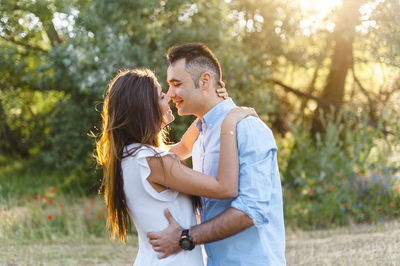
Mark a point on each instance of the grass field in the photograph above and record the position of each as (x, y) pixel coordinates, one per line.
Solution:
(42, 225)
(377, 244)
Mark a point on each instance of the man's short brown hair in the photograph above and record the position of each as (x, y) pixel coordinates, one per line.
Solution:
(198, 59)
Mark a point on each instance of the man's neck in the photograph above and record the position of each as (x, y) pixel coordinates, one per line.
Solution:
(210, 104)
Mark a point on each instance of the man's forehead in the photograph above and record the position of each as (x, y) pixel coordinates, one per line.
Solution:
(176, 69)
(177, 65)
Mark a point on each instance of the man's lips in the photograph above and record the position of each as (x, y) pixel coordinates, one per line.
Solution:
(178, 103)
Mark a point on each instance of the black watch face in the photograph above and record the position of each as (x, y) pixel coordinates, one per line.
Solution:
(186, 244)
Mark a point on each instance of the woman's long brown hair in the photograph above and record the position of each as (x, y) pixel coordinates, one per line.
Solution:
(131, 114)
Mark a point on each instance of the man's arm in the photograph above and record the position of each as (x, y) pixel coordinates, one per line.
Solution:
(234, 221)
(257, 151)
(167, 241)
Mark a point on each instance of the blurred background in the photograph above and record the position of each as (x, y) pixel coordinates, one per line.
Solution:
(324, 75)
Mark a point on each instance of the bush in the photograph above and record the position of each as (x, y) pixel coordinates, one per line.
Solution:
(351, 174)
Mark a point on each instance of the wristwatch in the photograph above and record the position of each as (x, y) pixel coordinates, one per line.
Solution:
(186, 241)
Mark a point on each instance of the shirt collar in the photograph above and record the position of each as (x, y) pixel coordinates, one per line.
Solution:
(215, 114)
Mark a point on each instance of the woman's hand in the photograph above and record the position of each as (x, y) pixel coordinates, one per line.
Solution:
(221, 91)
(234, 116)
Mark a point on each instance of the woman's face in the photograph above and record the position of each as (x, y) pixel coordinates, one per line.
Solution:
(163, 101)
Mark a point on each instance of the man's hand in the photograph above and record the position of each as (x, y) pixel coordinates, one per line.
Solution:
(166, 241)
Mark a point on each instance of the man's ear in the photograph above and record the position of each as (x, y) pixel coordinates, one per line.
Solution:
(205, 81)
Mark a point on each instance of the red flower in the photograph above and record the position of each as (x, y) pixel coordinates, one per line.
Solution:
(92, 203)
(331, 187)
(344, 204)
(36, 197)
(289, 195)
(50, 202)
(62, 211)
(310, 191)
(3, 212)
(391, 204)
(61, 205)
(339, 174)
(45, 198)
(99, 216)
(325, 187)
(343, 181)
(52, 190)
(86, 209)
(49, 217)
(378, 208)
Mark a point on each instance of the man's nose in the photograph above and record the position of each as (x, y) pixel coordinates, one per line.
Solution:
(171, 92)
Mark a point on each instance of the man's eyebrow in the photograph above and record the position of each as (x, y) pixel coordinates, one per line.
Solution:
(173, 80)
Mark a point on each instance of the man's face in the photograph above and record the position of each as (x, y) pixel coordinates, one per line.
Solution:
(182, 90)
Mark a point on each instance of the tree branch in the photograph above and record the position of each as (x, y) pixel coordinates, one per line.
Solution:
(323, 102)
(302, 94)
(26, 45)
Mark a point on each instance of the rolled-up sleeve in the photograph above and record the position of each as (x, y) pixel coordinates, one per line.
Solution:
(257, 158)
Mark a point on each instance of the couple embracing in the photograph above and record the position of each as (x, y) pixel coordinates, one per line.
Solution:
(235, 170)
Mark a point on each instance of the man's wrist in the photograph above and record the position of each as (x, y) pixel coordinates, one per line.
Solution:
(185, 241)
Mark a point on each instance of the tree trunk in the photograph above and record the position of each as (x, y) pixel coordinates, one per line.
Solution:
(343, 37)
(45, 15)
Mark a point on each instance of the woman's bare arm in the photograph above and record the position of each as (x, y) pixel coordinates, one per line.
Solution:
(169, 172)
(183, 149)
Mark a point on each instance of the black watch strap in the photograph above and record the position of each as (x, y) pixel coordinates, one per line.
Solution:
(186, 241)
(185, 232)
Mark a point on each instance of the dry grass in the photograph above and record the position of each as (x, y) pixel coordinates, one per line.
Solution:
(377, 244)
(96, 252)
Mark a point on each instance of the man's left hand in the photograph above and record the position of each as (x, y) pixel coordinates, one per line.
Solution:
(166, 242)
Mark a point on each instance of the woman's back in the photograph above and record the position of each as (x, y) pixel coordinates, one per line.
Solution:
(146, 207)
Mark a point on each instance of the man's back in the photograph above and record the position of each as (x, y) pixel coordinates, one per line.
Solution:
(260, 194)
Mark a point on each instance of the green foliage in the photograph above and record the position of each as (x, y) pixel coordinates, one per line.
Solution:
(349, 175)
(53, 77)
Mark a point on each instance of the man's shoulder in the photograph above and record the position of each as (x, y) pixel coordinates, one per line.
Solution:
(253, 125)
(253, 132)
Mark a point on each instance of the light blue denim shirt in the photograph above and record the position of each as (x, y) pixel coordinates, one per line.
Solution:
(260, 191)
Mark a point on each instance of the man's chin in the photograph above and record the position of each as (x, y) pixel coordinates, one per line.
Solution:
(180, 112)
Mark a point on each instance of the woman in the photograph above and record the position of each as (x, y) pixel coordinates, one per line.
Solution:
(141, 179)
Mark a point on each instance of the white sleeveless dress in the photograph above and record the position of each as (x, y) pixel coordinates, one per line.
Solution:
(146, 207)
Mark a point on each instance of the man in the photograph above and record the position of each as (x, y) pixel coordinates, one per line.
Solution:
(246, 230)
